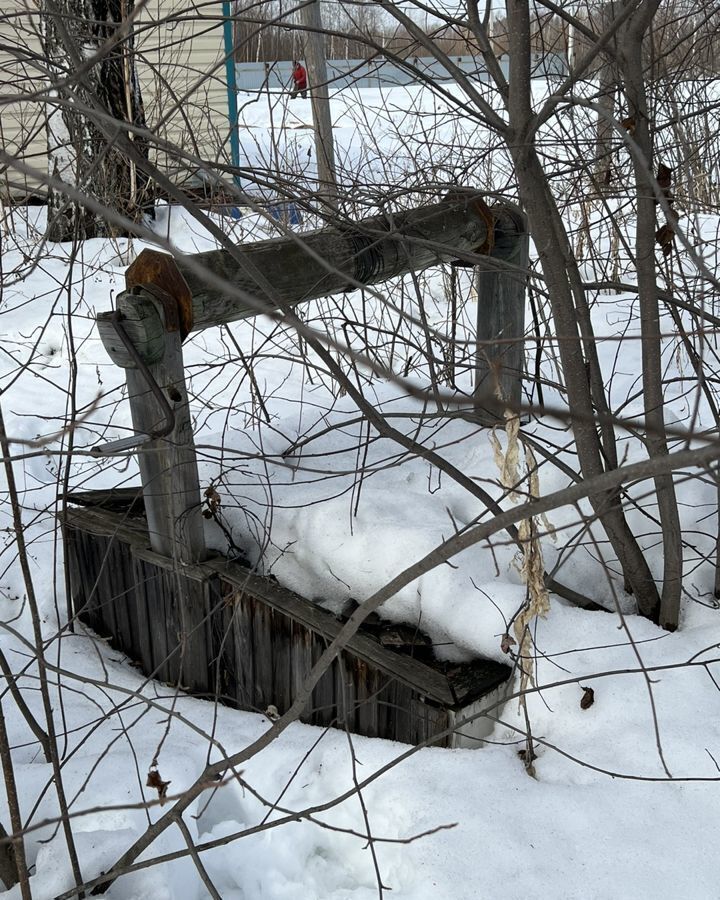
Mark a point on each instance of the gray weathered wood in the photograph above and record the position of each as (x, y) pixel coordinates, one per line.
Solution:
(323, 696)
(145, 623)
(433, 683)
(322, 263)
(368, 681)
(221, 639)
(103, 587)
(160, 623)
(192, 604)
(302, 640)
(402, 712)
(244, 652)
(71, 541)
(282, 652)
(428, 720)
(345, 694)
(500, 357)
(168, 468)
(122, 589)
(262, 645)
(85, 598)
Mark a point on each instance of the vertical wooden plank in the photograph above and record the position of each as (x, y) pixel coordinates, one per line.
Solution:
(281, 638)
(323, 696)
(345, 693)
(368, 683)
(427, 720)
(168, 588)
(76, 598)
(300, 665)
(403, 713)
(157, 618)
(191, 604)
(140, 611)
(168, 467)
(78, 580)
(386, 707)
(263, 656)
(104, 591)
(243, 650)
(88, 573)
(135, 639)
(500, 357)
(418, 719)
(222, 662)
(120, 562)
(394, 712)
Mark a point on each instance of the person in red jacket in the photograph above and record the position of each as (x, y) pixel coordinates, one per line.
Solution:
(299, 77)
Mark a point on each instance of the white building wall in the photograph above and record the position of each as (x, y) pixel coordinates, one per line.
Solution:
(180, 61)
(22, 116)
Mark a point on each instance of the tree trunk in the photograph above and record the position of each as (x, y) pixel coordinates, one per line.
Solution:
(320, 99)
(558, 268)
(89, 48)
(655, 439)
(8, 865)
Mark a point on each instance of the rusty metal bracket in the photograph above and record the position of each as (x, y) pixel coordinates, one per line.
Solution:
(171, 312)
(486, 213)
(472, 200)
(159, 274)
(137, 440)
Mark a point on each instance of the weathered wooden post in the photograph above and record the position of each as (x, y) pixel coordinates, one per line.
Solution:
(501, 285)
(157, 305)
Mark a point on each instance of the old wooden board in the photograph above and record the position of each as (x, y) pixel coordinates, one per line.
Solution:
(126, 500)
(430, 681)
(455, 688)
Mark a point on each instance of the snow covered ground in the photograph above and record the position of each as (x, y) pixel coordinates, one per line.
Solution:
(625, 798)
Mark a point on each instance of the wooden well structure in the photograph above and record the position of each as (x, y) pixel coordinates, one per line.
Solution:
(140, 574)
(220, 631)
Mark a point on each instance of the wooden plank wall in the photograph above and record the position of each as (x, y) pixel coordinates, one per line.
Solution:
(219, 631)
(158, 617)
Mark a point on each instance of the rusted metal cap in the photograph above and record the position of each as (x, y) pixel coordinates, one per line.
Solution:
(471, 199)
(159, 270)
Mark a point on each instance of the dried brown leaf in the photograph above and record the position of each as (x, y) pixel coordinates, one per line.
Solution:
(664, 177)
(588, 698)
(212, 502)
(154, 780)
(507, 642)
(665, 237)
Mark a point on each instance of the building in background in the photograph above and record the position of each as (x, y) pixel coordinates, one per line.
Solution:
(180, 55)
